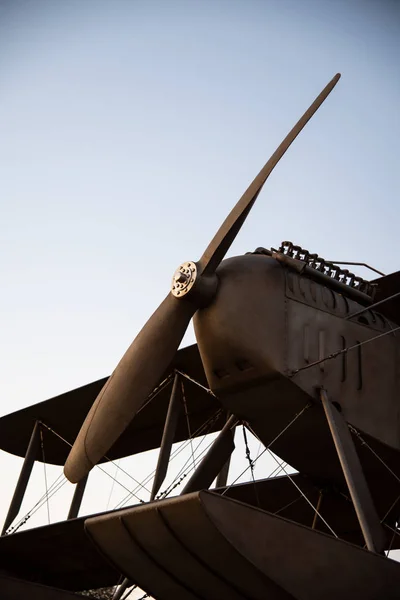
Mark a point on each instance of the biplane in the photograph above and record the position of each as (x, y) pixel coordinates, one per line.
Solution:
(297, 349)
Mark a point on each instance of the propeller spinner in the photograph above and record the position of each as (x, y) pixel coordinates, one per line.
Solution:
(193, 286)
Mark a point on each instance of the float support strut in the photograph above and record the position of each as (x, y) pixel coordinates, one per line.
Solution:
(168, 437)
(77, 498)
(222, 478)
(363, 504)
(215, 459)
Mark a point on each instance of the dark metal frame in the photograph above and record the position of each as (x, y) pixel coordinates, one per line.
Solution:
(77, 498)
(215, 459)
(24, 476)
(168, 436)
(366, 513)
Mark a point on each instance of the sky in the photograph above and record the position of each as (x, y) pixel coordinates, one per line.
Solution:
(129, 129)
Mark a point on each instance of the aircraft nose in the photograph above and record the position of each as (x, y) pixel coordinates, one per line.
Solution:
(241, 335)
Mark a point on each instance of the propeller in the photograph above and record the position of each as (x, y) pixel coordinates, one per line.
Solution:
(193, 286)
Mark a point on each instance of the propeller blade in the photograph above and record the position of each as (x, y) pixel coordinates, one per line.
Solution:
(135, 377)
(229, 229)
(153, 349)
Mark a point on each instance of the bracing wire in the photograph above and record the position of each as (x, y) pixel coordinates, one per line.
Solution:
(342, 351)
(269, 445)
(304, 496)
(112, 485)
(203, 387)
(188, 460)
(277, 512)
(207, 424)
(182, 474)
(54, 488)
(267, 448)
(142, 485)
(187, 421)
(364, 443)
(131, 493)
(45, 473)
(251, 464)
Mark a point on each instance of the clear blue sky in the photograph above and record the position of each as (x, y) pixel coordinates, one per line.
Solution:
(128, 129)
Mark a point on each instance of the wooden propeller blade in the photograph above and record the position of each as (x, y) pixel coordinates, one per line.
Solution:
(229, 229)
(136, 375)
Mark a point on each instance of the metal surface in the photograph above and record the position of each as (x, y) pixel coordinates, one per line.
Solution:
(23, 480)
(355, 479)
(130, 384)
(268, 326)
(214, 460)
(153, 349)
(207, 546)
(168, 436)
(222, 477)
(328, 268)
(385, 287)
(58, 555)
(375, 305)
(184, 279)
(66, 413)
(322, 278)
(253, 337)
(17, 589)
(77, 498)
(61, 555)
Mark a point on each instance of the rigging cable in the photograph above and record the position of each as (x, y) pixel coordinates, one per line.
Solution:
(203, 387)
(287, 505)
(182, 469)
(305, 497)
(182, 474)
(58, 483)
(98, 466)
(139, 484)
(187, 420)
(45, 472)
(277, 470)
(55, 486)
(207, 424)
(390, 509)
(364, 443)
(270, 444)
(284, 469)
(251, 464)
(112, 485)
(213, 418)
(342, 351)
(391, 543)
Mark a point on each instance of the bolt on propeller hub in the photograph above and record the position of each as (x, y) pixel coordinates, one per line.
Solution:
(184, 279)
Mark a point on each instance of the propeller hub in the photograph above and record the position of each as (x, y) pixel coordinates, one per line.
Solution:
(184, 279)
